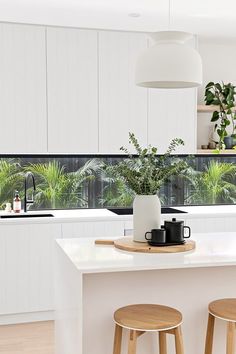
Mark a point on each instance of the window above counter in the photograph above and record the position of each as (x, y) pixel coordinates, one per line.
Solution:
(70, 182)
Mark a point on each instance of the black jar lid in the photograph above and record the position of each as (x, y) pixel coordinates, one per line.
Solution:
(174, 221)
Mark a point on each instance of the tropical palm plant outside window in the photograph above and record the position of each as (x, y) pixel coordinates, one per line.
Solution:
(214, 185)
(68, 182)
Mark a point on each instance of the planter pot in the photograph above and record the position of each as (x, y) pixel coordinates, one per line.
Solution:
(146, 215)
(230, 142)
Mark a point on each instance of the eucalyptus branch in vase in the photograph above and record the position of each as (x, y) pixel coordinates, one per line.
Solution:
(145, 172)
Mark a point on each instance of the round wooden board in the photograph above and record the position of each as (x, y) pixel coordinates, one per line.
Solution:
(127, 244)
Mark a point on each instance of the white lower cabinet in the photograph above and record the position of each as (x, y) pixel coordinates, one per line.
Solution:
(26, 256)
(93, 229)
(26, 262)
(26, 267)
(212, 224)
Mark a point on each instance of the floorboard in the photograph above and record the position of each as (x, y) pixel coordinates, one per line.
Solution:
(27, 338)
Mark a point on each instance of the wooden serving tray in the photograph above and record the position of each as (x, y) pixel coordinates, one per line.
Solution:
(127, 244)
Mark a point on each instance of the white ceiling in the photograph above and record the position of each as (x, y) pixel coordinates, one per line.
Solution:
(211, 18)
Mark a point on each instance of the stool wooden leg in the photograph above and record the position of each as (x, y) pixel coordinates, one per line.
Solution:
(230, 346)
(162, 343)
(209, 335)
(179, 346)
(132, 342)
(117, 340)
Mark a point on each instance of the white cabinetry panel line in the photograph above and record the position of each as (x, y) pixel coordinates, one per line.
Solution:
(22, 89)
(46, 63)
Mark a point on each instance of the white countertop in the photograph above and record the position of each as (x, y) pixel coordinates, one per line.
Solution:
(192, 212)
(209, 211)
(212, 250)
(77, 215)
(72, 215)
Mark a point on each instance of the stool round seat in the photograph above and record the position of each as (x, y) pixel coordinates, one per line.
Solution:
(224, 309)
(148, 317)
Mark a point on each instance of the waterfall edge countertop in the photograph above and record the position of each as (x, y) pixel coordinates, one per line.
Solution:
(212, 250)
(94, 279)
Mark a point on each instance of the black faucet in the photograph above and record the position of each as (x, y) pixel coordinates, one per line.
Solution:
(28, 201)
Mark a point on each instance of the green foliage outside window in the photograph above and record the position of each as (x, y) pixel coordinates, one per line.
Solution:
(214, 185)
(207, 181)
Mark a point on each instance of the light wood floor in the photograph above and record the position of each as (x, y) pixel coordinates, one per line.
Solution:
(29, 338)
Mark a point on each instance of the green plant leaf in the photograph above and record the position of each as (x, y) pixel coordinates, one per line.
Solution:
(210, 84)
(218, 86)
(215, 116)
(209, 96)
(222, 95)
(146, 172)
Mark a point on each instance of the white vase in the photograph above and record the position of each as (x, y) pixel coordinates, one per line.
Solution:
(146, 215)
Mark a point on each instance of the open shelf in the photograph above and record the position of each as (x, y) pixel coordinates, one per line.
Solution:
(201, 108)
(204, 108)
(207, 151)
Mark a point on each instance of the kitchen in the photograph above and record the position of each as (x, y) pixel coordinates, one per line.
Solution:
(68, 103)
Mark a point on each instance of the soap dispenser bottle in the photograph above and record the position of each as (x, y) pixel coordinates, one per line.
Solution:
(16, 203)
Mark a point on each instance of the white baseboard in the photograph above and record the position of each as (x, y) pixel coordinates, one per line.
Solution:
(26, 317)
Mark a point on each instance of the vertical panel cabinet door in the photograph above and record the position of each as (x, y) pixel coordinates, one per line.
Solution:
(212, 224)
(22, 89)
(26, 267)
(122, 104)
(93, 229)
(72, 90)
(172, 114)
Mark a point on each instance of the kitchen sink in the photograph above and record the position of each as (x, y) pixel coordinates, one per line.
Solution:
(129, 211)
(25, 216)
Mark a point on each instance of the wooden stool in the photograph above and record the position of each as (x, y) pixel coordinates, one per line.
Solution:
(148, 318)
(224, 309)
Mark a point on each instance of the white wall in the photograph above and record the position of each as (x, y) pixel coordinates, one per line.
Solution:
(219, 64)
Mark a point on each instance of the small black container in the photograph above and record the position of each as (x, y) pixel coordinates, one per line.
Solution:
(158, 236)
(175, 231)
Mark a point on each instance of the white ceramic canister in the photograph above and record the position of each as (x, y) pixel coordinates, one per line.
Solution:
(146, 215)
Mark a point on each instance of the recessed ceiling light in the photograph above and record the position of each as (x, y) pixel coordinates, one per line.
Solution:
(134, 14)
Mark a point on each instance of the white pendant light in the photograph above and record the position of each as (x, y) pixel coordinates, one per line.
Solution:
(170, 63)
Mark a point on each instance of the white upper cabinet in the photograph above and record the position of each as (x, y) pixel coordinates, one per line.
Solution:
(72, 90)
(122, 104)
(22, 89)
(68, 90)
(172, 114)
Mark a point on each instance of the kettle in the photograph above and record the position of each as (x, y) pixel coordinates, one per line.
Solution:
(175, 231)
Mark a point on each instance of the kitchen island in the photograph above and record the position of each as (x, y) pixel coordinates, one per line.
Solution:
(92, 281)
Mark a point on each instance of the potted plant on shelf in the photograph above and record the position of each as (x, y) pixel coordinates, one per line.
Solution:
(144, 173)
(223, 96)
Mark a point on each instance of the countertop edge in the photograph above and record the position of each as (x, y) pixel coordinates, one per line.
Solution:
(192, 212)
